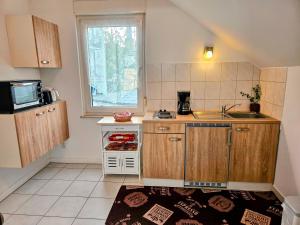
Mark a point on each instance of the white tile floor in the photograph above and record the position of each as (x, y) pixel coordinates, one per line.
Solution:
(64, 194)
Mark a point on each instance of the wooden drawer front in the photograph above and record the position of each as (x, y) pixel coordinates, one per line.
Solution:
(161, 128)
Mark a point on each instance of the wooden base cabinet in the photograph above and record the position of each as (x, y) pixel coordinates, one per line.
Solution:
(163, 153)
(36, 131)
(58, 128)
(253, 152)
(207, 153)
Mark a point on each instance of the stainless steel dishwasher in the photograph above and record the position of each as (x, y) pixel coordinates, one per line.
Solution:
(207, 154)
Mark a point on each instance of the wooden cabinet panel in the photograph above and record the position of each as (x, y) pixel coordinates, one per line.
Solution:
(58, 123)
(47, 43)
(41, 129)
(21, 41)
(32, 134)
(164, 128)
(253, 152)
(33, 42)
(163, 156)
(207, 153)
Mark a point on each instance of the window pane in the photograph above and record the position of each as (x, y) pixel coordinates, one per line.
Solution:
(113, 66)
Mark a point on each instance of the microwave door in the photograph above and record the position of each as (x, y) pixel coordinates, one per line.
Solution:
(25, 94)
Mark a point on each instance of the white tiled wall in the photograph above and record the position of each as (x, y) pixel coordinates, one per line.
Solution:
(211, 84)
(273, 84)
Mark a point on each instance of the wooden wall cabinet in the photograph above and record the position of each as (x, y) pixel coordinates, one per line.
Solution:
(36, 131)
(253, 152)
(33, 42)
(163, 151)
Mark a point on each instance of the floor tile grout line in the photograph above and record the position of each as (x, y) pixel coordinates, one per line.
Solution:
(59, 197)
(47, 180)
(88, 198)
(21, 204)
(32, 195)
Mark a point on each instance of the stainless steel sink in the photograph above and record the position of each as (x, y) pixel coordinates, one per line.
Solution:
(209, 115)
(246, 115)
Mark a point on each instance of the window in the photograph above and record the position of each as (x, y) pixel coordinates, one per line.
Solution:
(112, 62)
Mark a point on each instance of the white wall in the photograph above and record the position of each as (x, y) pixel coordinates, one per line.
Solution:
(287, 179)
(174, 36)
(266, 31)
(10, 179)
(171, 36)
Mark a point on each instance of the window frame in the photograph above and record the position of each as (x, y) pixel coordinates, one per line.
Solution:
(87, 108)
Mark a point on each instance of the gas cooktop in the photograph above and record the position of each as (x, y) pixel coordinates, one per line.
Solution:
(164, 114)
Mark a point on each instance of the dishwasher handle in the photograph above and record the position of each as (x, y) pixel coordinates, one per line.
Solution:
(229, 137)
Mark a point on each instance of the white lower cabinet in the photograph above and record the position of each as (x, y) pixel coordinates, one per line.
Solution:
(121, 162)
(121, 146)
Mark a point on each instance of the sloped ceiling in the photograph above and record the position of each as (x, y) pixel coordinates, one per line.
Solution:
(266, 31)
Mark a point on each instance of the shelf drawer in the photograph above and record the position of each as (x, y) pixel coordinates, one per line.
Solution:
(163, 128)
(118, 128)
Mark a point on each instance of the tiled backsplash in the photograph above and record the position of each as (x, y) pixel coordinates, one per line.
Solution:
(273, 84)
(211, 84)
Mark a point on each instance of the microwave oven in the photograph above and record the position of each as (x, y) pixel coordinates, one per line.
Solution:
(19, 95)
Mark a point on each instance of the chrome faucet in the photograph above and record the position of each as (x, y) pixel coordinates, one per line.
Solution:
(225, 109)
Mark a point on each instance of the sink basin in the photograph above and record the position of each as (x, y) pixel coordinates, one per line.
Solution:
(209, 115)
(246, 115)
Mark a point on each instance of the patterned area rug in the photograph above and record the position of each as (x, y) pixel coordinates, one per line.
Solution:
(186, 206)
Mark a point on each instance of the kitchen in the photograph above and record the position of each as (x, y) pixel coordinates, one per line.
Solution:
(174, 45)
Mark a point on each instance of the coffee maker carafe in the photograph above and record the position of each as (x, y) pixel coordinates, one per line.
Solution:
(184, 106)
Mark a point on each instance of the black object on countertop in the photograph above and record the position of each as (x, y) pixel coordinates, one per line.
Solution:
(47, 97)
(184, 105)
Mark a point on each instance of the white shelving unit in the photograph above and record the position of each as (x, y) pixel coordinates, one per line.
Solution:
(121, 161)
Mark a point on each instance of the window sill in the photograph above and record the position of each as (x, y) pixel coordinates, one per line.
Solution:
(86, 116)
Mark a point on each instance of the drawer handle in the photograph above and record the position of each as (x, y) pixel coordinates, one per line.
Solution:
(51, 110)
(174, 139)
(242, 129)
(40, 114)
(45, 61)
(163, 128)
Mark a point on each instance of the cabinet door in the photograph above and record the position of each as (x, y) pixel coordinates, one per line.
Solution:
(253, 152)
(207, 153)
(163, 156)
(57, 123)
(32, 134)
(47, 43)
(112, 163)
(130, 163)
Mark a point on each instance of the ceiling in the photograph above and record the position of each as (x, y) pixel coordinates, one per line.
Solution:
(266, 31)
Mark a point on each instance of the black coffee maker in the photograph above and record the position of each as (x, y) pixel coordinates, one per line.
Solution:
(183, 106)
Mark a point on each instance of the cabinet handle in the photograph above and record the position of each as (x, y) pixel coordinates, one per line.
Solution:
(40, 114)
(51, 110)
(174, 139)
(45, 61)
(163, 128)
(242, 129)
(229, 137)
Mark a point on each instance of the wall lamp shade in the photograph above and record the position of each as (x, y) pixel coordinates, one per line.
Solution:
(208, 52)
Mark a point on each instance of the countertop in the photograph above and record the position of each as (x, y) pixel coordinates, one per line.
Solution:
(109, 120)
